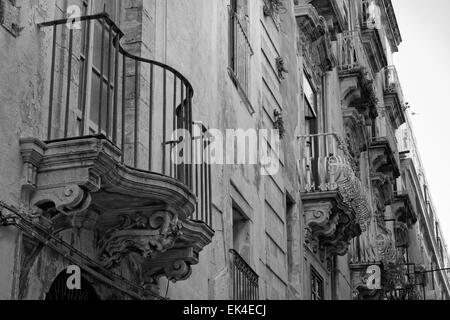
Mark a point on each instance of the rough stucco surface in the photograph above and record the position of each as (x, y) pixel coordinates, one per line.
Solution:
(21, 92)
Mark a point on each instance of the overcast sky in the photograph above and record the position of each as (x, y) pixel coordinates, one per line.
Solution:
(423, 64)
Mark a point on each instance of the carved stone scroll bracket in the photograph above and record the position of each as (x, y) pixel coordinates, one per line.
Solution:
(69, 200)
(382, 159)
(330, 225)
(146, 235)
(403, 209)
(319, 219)
(175, 265)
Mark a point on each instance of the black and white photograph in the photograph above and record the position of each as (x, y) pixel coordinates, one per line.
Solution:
(243, 152)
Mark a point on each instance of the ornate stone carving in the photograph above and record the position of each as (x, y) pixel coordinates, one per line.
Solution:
(319, 219)
(356, 136)
(141, 218)
(315, 41)
(387, 251)
(330, 224)
(402, 209)
(178, 270)
(281, 68)
(145, 235)
(69, 201)
(332, 12)
(401, 234)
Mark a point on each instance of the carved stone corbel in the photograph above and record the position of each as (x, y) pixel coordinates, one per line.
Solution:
(178, 270)
(319, 219)
(175, 265)
(145, 235)
(70, 201)
(32, 151)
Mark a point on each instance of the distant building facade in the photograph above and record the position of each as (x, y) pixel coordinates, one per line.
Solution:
(100, 99)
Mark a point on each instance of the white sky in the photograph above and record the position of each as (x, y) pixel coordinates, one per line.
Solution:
(423, 64)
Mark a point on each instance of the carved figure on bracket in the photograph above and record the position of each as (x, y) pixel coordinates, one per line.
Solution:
(141, 234)
(314, 42)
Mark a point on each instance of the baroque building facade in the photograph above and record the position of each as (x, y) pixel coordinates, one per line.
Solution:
(91, 92)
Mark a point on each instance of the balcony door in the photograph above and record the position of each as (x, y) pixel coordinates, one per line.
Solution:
(311, 125)
(97, 60)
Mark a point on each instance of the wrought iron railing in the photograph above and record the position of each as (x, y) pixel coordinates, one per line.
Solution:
(245, 280)
(323, 157)
(240, 51)
(202, 175)
(327, 165)
(144, 107)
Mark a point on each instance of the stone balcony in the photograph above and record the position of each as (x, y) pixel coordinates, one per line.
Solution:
(110, 166)
(356, 76)
(333, 12)
(335, 203)
(372, 20)
(394, 101)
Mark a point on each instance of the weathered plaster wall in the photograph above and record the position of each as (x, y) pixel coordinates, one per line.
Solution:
(200, 37)
(21, 112)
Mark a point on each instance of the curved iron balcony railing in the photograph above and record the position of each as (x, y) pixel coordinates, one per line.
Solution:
(328, 166)
(99, 88)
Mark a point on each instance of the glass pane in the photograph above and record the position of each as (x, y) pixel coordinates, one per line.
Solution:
(97, 54)
(309, 93)
(309, 114)
(95, 102)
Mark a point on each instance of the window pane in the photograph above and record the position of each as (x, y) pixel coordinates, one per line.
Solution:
(309, 93)
(316, 286)
(97, 54)
(95, 101)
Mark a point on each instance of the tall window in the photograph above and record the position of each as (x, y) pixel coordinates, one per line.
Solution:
(245, 279)
(239, 44)
(310, 102)
(97, 67)
(317, 289)
(241, 233)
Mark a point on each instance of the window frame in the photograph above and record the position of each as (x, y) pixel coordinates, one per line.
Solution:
(85, 108)
(311, 122)
(317, 286)
(240, 57)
